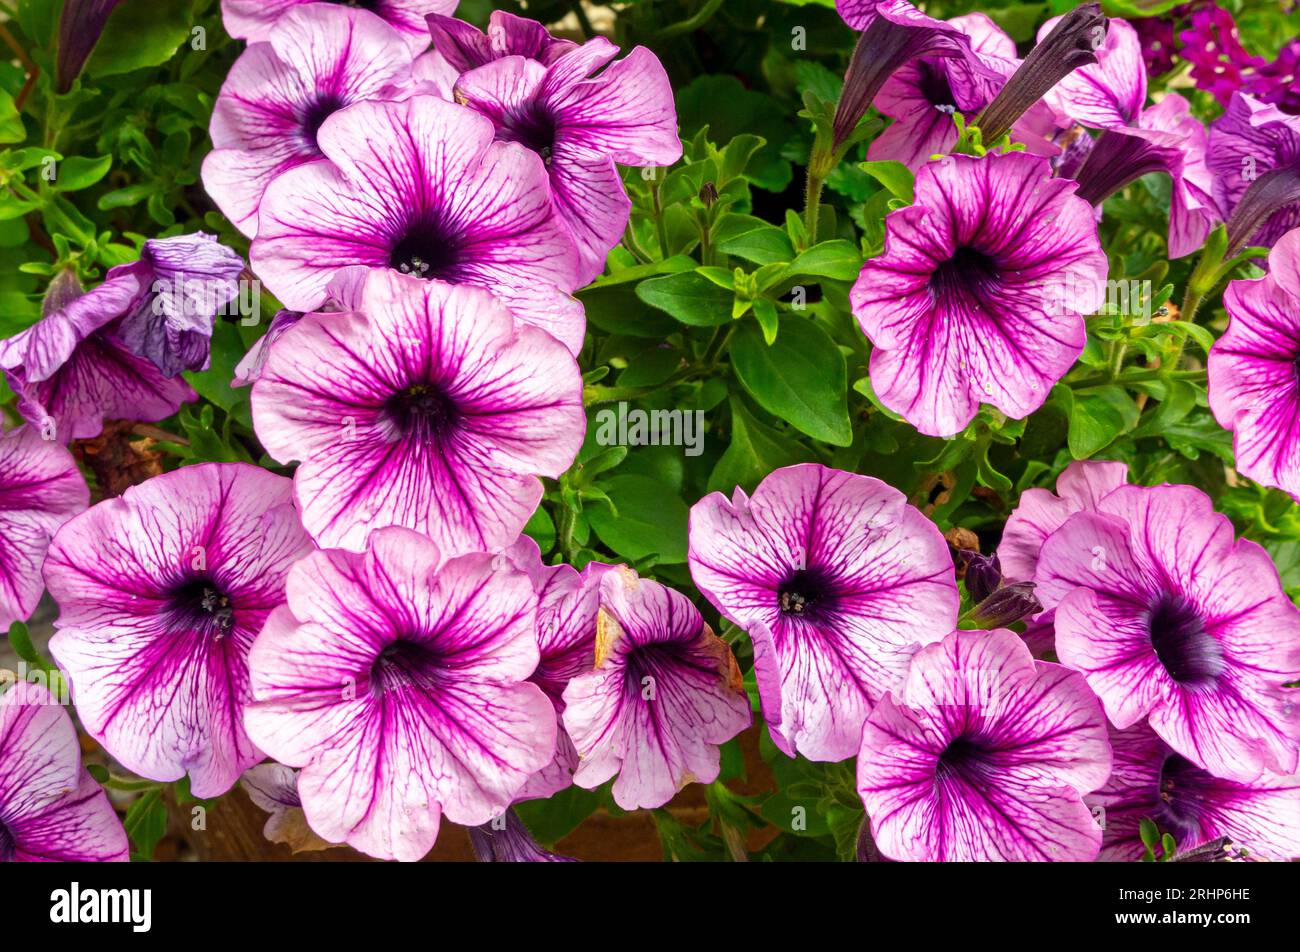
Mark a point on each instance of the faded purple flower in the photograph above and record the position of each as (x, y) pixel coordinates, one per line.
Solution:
(1254, 388)
(464, 46)
(396, 679)
(40, 489)
(1175, 623)
(664, 693)
(428, 407)
(984, 754)
(421, 187)
(274, 788)
(506, 840)
(838, 582)
(1150, 780)
(980, 294)
(161, 591)
(315, 60)
(254, 20)
(581, 125)
(51, 809)
(1255, 149)
(249, 368)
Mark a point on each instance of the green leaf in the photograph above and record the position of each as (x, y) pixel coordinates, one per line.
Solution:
(755, 450)
(651, 519)
(1097, 418)
(894, 176)
(78, 172)
(11, 123)
(765, 314)
(752, 239)
(551, 820)
(140, 35)
(689, 297)
(801, 378)
(146, 824)
(838, 260)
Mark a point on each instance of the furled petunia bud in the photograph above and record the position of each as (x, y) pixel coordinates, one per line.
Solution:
(1008, 604)
(80, 26)
(506, 840)
(983, 574)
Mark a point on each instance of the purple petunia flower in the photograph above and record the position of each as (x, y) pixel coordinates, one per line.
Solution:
(255, 20)
(427, 407)
(1173, 622)
(567, 603)
(1150, 780)
(161, 591)
(1255, 148)
(980, 294)
(664, 693)
(506, 840)
(581, 125)
(40, 489)
(421, 187)
(1110, 95)
(464, 46)
(1254, 390)
(838, 582)
(51, 809)
(317, 59)
(984, 754)
(396, 679)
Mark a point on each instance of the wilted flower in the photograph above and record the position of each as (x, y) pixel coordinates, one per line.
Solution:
(1254, 153)
(838, 582)
(315, 60)
(249, 368)
(422, 188)
(1254, 389)
(506, 840)
(161, 591)
(51, 809)
(274, 788)
(254, 20)
(1174, 622)
(581, 125)
(40, 489)
(428, 406)
(1006, 605)
(984, 754)
(1150, 780)
(981, 292)
(464, 46)
(396, 679)
(664, 693)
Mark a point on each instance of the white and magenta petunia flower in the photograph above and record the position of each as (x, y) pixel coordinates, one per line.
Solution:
(427, 407)
(1150, 780)
(1255, 148)
(664, 693)
(315, 60)
(1175, 623)
(1254, 370)
(161, 592)
(464, 46)
(397, 680)
(981, 292)
(51, 809)
(581, 125)
(984, 754)
(422, 188)
(838, 582)
(567, 603)
(256, 20)
(40, 490)
(1110, 95)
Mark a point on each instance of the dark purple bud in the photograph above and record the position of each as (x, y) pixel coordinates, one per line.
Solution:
(709, 194)
(506, 840)
(1006, 605)
(1118, 159)
(80, 26)
(983, 575)
(1268, 194)
(1072, 43)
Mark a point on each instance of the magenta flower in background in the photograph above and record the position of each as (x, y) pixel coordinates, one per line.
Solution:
(315, 60)
(1151, 780)
(254, 20)
(984, 754)
(1212, 45)
(838, 582)
(1255, 146)
(160, 592)
(1175, 623)
(665, 691)
(981, 292)
(70, 370)
(422, 188)
(51, 809)
(464, 46)
(396, 679)
(427, 407)
(1254, 390)
(1156, 38)
(40, 489)
(581, 125)
(567, 602)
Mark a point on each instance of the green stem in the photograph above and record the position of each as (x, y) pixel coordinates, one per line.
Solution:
(1105, 380)
(587, 30)
(691, 23)
(564, 531)
(812, 204)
